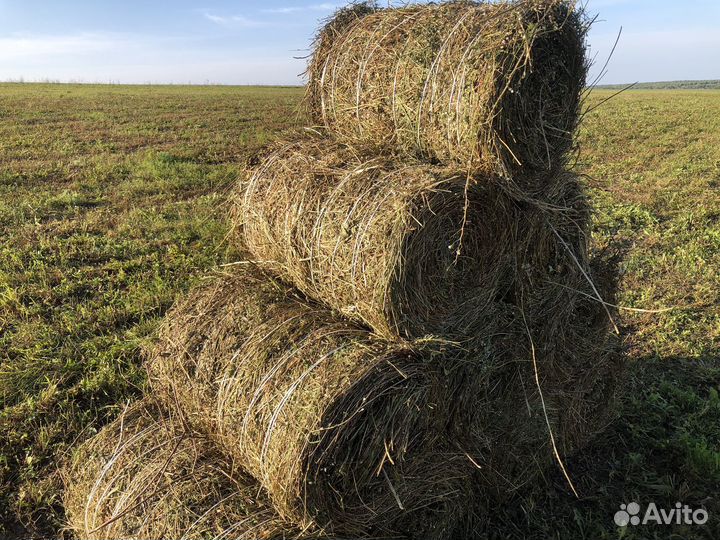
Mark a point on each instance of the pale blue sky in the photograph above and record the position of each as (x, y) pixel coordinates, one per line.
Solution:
(254, 42)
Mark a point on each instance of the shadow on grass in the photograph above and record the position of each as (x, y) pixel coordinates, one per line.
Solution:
(664, 448)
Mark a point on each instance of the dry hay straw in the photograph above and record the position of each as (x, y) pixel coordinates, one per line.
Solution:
(146, 477)
(331, 31)
(343, 431)
(520, 412)
(493, 87)
(552, 389)
(407, 248)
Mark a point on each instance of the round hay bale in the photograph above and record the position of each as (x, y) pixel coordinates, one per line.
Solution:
(343, 431)
(578, 349)
(552, 392)
(145, 476)
(408, 249)
(493, 87)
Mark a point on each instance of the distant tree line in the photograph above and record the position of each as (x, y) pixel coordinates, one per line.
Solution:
(669, 85)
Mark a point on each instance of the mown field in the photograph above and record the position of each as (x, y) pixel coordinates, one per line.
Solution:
(112, 204)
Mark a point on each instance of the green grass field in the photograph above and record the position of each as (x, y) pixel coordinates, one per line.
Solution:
(112, 204)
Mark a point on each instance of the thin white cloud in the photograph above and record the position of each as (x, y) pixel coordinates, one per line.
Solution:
(596, 4)
(42, 46)
(234, 20)
(136, 58)
(295, 9)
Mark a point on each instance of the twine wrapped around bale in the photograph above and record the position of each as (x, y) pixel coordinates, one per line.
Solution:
(332, 30)
(145, 476)
(407, 249)
(344, 432)
(492, 87)
(349, 434)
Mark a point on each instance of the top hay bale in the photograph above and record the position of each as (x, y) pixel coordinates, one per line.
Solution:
(494, 88)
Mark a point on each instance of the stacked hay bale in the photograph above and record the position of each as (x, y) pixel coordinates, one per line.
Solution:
(146, 476)
(419, 328)
(336, 424)
(493, 88)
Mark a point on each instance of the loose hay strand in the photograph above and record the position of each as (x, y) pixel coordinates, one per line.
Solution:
(544, 409)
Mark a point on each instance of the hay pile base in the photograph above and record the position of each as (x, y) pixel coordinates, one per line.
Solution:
(405, 248)
(352, 436)
(492, 87)
(346, 433)
(336, 427)
(147, 477)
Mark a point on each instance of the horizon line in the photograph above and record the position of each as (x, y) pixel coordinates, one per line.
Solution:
(72, 82)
